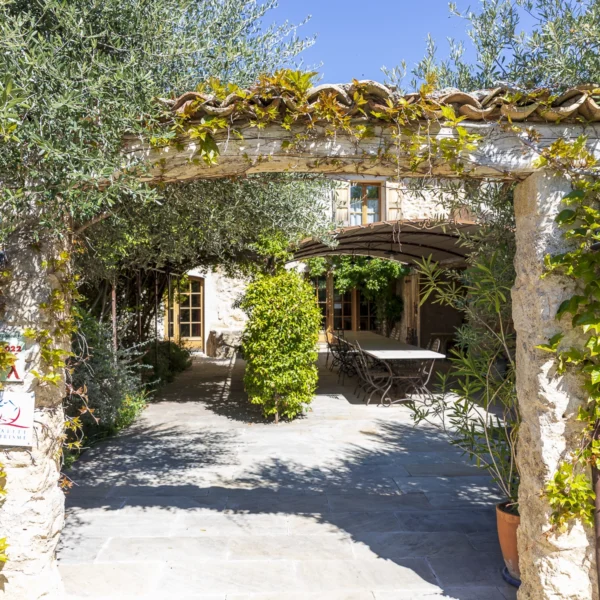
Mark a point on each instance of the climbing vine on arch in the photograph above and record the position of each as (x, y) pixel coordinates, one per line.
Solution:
(570, 492)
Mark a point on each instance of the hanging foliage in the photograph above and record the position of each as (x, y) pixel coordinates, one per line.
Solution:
(375, 278)
(570, 492)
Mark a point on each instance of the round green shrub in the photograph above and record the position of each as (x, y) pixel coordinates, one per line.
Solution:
(280, 343)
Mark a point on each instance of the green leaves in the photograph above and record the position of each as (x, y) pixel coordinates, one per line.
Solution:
(569, 492)
(12, 107)
(570, 496)
(574, 197)
(570, 305)
(595, 375)
(477, 405)
(3, 548)
(279, 343)
(372, 275)
(566, 217)
(588, 321)
(84, 74)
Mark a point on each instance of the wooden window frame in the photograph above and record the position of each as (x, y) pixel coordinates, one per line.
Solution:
(322, 303)
(364, 215)
(372, 312)
(344, 316)
(192, 341)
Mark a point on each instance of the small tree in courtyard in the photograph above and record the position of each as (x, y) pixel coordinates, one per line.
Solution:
(280, 343)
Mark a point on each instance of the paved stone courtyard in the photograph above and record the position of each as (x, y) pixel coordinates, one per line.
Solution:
(201, 499)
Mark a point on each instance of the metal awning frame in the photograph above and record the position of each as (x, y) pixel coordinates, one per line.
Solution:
(403, 241)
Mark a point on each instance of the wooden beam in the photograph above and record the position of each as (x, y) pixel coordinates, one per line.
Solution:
(501, 154)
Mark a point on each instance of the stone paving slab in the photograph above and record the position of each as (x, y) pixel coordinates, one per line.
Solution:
(465, 521)
(410, 544)
(468, 484)
(456, 593)
(111, 580)
(456, 568)
(203, 500)
(359, 523)
(364, 595)
(210, 548)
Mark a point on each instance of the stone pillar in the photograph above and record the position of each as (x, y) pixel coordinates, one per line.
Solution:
(552, 566)
(32, 512)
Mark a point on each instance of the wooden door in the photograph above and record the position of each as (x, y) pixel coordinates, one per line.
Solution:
(411, 320)
(186, 315)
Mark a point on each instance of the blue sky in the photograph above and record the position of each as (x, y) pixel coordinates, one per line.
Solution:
(356, 38)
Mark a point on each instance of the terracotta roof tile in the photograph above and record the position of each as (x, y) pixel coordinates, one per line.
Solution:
(577, 104)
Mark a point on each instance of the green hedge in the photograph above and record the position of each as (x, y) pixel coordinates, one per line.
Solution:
(280, 342)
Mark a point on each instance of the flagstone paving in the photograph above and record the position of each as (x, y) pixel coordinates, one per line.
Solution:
(201, 499)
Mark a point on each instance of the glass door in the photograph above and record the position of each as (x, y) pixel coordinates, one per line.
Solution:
(320, 285)
(366, 314)
(186, 315)
(342, 311)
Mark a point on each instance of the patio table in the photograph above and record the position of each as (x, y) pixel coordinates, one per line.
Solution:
(384, 348)
(387, 350)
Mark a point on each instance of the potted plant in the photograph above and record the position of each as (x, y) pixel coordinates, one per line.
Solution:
(476, 403)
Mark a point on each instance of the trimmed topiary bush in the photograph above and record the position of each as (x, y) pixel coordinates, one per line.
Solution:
(280, 343)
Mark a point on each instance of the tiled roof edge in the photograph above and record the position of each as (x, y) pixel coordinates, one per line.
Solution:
(581, 103)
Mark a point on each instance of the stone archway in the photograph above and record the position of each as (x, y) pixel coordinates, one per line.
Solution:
(552, 567)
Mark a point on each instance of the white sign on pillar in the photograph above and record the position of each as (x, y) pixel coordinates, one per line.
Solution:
(16, 418)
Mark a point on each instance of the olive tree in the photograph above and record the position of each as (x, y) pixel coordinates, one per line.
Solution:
(76, 76)
(523, 43)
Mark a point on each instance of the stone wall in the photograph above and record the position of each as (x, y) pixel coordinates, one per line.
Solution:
(32, 512)
(405, 203)
(222, 317)
(553, 566)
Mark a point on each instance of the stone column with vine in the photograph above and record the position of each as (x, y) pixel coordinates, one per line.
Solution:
(36, 304)
(554, 563)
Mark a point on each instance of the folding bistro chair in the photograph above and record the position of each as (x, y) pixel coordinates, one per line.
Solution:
(371, 380)
(416, 382)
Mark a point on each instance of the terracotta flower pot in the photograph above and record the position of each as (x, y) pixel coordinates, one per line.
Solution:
(507, 535)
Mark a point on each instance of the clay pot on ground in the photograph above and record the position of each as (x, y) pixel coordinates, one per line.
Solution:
(508, 522)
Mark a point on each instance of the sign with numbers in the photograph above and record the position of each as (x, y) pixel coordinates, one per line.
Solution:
(16, 418)
(15, 344)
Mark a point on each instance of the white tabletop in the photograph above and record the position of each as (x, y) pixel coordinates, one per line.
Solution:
(385, 348)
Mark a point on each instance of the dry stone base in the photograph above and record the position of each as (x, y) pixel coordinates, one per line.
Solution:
(32, 514)
(223, 344)
(553, 567)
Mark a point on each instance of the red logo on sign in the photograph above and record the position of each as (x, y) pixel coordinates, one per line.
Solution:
(10, 414)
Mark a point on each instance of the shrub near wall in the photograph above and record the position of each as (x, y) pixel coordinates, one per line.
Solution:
(280, 342)
(111, 382)
(166, 360)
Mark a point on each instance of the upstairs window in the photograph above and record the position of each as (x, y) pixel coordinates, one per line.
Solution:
(365, 203)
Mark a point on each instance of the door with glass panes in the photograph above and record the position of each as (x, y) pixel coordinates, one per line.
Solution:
(350, 311)
(186, 314)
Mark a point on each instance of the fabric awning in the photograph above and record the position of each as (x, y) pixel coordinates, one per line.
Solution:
(403, 241)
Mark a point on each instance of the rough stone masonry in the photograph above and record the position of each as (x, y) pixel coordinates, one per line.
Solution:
(552, 566)
(32, 512)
